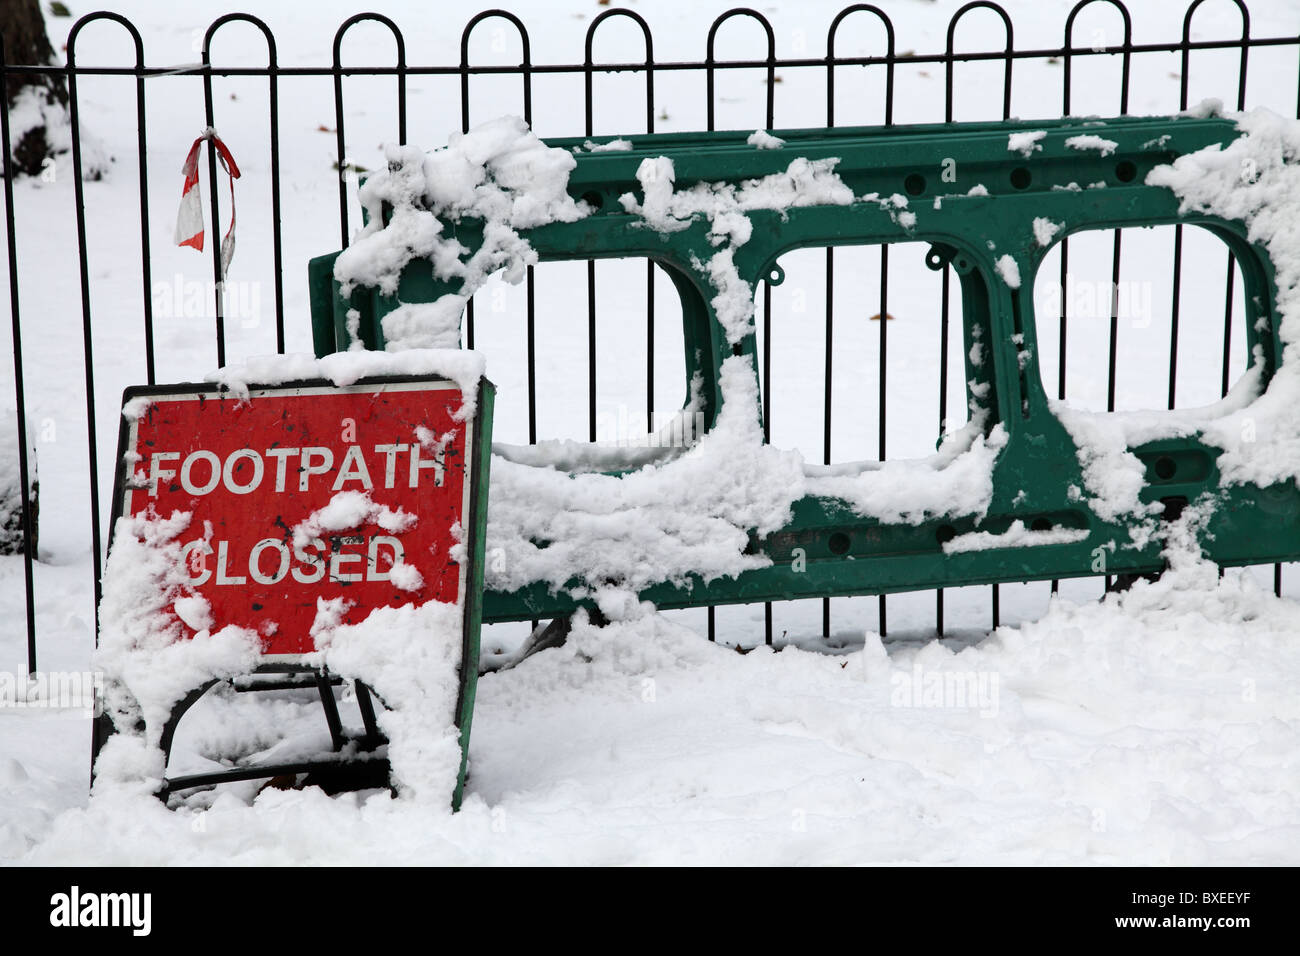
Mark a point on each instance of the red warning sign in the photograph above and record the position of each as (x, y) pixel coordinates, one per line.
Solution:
(305, 492)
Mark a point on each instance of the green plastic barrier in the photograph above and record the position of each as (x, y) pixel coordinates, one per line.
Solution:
(844, 553)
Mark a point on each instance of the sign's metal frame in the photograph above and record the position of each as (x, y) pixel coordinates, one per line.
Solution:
(364, 767)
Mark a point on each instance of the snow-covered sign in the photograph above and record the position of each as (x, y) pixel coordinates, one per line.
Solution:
(301, 496)
(333, 521)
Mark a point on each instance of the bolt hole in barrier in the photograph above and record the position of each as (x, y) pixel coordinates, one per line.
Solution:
(992, 243)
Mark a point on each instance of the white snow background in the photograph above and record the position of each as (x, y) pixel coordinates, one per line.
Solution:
(1157, 727)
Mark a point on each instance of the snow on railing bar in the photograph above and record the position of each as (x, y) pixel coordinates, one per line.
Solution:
(769, 62)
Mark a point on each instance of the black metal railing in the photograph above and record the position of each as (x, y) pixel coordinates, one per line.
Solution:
(832, 64)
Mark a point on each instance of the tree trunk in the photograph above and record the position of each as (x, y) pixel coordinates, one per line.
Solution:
(35, 100)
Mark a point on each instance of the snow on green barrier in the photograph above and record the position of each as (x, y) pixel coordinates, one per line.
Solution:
(1027, 489)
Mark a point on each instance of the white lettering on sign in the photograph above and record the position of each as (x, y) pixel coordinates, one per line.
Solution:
(202, 471)
(398, 556)
(271, 560)
(390, 462)
(232, 466)
(255, 561)
(312, 561)
(337, 560)
(353, 469)
(307, 469)
(156, 472)
(280, 455)
(222, 576)
(192, 557)
(187, 472)
(416, 465)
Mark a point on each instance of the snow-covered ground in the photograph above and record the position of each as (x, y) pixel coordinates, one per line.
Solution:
(1155, 727)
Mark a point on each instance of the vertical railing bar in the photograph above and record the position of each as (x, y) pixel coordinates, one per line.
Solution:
(218, 280)
(1114, 322)
(1062, 330)
(881, 601)
(1229, 285)
(401, 86)
(277, 244)
(469, 306)
(650, 266)
(830, 299)
(530, 301)
(530, 278)
(826, 402)
(882, 606)
(1185, 47)
(769, 122)
(1178, 229)
(591, 263)
(87, 335)
(711, 613)
(1230, 281)
(944, 317)
(1116, 243)
(272, 73)
(710, 62)
(588, 73)
(767, 361)
(1008, 61)
(531, 335)
(767, 296)
(340, 139)
(1174, 310)
(530, 287)
(1176, 304)
(20, 396)
(1277, 568)
(591, 350)
(650, 346)
(944, 294)
(830, 252)
(1116, 239)
(525, 70)
(1067, 79)
(882, 382)
(995, 593)
(339, 153)
(146, 268)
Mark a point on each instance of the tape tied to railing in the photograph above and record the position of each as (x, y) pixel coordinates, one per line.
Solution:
(189, 217)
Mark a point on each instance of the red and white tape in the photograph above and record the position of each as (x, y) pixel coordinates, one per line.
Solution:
(189, 217)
